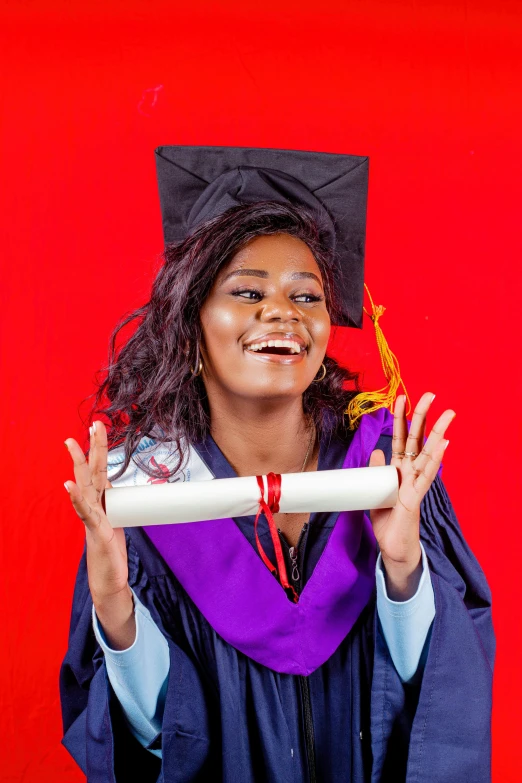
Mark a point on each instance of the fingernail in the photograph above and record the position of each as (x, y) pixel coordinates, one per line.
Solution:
(433, 397)
(67, 488)
(446, 444)
(94, 426)
(66, 446)
(90, 431)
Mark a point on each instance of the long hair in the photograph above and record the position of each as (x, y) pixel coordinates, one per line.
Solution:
(150, 389)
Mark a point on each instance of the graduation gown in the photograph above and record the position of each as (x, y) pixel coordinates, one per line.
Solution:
(229, 718)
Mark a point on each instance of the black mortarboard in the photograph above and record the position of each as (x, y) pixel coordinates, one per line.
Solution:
(199, 183)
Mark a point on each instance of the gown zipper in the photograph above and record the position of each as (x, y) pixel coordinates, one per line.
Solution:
(308, 727)
(303, 681)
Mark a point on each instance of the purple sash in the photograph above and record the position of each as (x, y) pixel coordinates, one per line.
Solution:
(228, 582)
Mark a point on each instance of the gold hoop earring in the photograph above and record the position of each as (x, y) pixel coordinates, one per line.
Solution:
(323, 376)
(200, 369)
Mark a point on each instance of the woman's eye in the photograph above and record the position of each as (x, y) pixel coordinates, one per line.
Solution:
(253, 295)
(248, 293)
(307, 298)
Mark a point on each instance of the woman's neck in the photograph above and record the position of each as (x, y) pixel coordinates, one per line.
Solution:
(258, 438)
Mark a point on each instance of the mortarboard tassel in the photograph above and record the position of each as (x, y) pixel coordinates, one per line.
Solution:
(385, 397)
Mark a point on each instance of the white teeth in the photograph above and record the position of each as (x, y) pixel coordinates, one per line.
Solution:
(293, 346)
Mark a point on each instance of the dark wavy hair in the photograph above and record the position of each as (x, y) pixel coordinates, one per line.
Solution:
(149, 388)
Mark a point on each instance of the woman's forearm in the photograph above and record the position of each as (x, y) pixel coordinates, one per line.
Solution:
(402, 579)
(116, 616)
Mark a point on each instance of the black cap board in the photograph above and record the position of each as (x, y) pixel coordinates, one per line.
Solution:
(200, 183)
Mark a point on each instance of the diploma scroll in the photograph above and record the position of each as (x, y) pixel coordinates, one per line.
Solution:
(325, 490)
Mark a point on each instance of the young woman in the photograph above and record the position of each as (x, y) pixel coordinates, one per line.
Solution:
(367, 655)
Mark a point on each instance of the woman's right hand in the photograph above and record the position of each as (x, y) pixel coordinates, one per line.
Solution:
(107, 566)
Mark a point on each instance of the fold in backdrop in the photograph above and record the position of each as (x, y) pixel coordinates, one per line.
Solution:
(430, 91)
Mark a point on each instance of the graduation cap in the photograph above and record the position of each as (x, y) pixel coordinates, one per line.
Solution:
(200, 183)
(197, 184)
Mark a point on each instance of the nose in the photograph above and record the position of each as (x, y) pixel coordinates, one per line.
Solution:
(279, 308)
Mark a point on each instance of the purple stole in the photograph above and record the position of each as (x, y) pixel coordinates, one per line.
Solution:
(233, 589)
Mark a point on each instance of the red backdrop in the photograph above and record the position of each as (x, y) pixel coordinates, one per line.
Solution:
(430, 91)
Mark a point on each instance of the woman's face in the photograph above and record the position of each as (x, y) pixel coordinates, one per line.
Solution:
(265, 323)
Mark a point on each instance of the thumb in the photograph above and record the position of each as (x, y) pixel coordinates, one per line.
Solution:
(377, 459)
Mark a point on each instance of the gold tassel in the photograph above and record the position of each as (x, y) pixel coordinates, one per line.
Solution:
(385, 397)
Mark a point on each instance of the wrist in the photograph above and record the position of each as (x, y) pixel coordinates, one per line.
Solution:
(116, 616)
(402, 577)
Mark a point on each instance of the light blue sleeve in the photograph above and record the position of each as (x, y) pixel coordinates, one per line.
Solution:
(139, 675)
(406, 624)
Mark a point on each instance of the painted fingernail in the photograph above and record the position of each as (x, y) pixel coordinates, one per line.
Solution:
(67, 488)
(94, 426)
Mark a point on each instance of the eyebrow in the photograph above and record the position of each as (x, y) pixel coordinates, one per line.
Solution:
(263, 273)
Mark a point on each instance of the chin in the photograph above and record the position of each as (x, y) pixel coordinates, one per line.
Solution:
(265, 381)
(271, 390)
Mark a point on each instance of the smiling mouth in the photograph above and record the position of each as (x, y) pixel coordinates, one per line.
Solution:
(276, 347)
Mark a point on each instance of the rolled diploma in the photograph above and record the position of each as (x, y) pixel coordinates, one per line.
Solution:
(353, 489)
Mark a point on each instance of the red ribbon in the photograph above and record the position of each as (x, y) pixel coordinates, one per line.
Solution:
(269, 507)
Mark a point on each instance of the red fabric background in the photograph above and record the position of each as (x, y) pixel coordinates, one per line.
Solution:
(430, 91)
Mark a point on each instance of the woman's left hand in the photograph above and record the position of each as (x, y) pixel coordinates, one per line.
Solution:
(397, 529)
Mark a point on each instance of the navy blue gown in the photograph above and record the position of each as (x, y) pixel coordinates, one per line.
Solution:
(228, 718)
